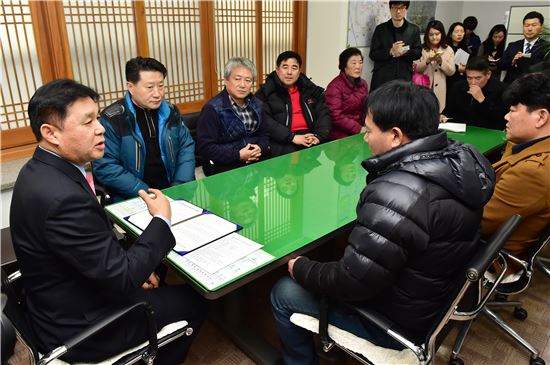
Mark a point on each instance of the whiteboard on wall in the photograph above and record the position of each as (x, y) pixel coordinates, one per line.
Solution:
(515, 20)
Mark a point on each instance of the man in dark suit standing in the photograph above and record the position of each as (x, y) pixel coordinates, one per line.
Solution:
(520, 55)
(74, 270)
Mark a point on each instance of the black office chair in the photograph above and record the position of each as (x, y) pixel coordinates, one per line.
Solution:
(14, 311)
(367, 353)
(190, 120)
(503, 290)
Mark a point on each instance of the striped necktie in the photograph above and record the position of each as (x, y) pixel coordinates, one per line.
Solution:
(527, 48)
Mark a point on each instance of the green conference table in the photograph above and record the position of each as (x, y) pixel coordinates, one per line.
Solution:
(291, 204)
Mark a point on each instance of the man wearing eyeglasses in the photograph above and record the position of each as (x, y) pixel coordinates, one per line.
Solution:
(395, 45)
(478, 99)
(231, 131)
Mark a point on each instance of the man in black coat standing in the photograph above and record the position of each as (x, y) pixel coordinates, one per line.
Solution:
(395, 45)
(417, 225)
(74, 270)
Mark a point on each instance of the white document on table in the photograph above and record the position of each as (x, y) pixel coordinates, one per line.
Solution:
(199, 231)
(453, 127)
(181, 210)
(128, 207)
(222, 252)
(461, 57)
(223, 276)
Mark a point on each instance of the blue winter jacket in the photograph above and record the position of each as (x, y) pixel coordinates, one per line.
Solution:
(121, 169)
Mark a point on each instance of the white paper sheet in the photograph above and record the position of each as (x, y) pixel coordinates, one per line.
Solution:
(221, 253)
(197, 232)
(228, 273)
(453, 127)
(181, 210)
(461, 57)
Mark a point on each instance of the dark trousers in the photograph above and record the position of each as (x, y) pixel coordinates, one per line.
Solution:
(170, 304)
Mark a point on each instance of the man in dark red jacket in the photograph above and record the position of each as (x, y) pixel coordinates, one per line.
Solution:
(417, 225)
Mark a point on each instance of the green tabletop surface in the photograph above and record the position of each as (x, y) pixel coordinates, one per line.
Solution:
(288, 202)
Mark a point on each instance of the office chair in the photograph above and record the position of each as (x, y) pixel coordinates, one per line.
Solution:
(503, 290)
(14, 311)
(423, 353)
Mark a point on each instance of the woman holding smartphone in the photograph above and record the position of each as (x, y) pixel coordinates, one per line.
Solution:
(437, 60)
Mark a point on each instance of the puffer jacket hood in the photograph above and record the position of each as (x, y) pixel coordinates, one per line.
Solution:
(445, 162)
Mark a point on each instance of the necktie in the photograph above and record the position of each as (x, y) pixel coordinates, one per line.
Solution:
(527, 48)
(90, 180)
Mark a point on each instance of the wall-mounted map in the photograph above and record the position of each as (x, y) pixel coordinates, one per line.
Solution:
(365, 15)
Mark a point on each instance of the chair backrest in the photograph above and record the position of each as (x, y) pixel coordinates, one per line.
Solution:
(521, 282)
(534, 250)
(473, 272)
(191, 120)
(15, 312)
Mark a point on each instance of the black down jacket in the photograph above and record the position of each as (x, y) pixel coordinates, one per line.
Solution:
(278, 111)
(417, 224)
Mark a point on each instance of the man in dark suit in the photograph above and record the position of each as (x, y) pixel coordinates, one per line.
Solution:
(520, 55)
(74, 270)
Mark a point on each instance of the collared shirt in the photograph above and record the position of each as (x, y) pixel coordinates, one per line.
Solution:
(245, 114)
(526, 42)
(520, 147)
(83, 172)
(80, 168)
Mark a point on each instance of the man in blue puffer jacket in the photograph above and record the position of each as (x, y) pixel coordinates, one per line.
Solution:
(146, 142)
(418, 223)
(231, 130)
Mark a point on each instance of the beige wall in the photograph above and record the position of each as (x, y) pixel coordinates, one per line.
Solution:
(326, 37)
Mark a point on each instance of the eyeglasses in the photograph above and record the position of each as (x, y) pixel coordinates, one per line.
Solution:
(399, 8)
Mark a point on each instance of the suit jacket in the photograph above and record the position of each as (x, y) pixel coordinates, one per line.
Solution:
(522, 65)
(523, 187)
(74, 269)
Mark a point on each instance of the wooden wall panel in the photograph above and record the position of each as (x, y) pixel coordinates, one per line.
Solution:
(101, 37)
(174, 38)
(235, 33)
(20, 69)
(278, 31)
(91, 40)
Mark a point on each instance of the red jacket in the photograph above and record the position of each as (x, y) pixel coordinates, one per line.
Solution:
(345, 101)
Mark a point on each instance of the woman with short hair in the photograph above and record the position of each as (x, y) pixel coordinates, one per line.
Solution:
(346, 94)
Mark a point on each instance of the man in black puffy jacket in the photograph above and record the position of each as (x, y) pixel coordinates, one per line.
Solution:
(417, 225)
(295, 108)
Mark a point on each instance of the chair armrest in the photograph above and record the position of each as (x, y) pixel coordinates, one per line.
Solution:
(90, 331)
(457, 315)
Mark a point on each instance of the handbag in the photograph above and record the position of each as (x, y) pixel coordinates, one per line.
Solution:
(420, 79)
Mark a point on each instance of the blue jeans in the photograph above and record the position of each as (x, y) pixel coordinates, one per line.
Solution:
(288, 297)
